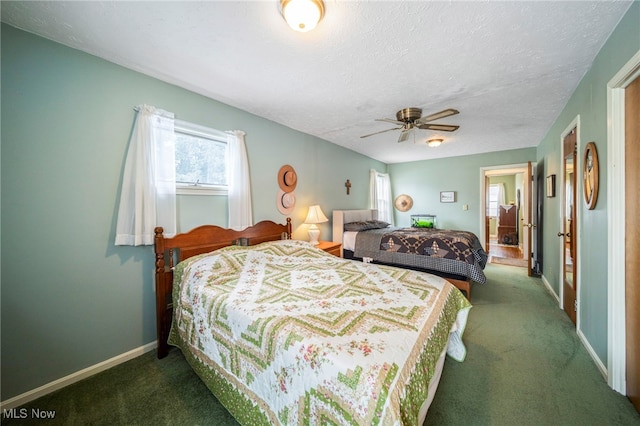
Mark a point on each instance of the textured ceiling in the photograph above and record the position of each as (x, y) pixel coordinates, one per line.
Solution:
(508, 67)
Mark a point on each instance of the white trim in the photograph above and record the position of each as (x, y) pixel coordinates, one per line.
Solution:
(201, 131)
(549, 288)
(581, 336)
(616, 345)
(75, 377)
(183, 189)
(592, 353)
(483, 207)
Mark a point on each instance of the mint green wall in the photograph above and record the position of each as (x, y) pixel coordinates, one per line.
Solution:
(70, 298)
(589, 101)
(423, 181)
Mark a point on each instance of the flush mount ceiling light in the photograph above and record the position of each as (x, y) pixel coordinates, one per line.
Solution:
(302, 15)
(434, 142)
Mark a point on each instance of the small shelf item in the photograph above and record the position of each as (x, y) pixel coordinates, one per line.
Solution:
(423, 221)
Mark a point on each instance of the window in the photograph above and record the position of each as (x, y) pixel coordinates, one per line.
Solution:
(380, 187)
(201, 160)
(494, 200)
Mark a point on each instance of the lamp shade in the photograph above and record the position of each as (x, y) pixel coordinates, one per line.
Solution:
(315, 215)
(302, 15)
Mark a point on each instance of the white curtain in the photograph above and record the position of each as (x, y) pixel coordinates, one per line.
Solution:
(239, 184)
(380, 195)
(148, 196)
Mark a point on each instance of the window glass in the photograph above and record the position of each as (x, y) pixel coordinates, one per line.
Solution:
(494, 195)
(201, 161)
(382, 194)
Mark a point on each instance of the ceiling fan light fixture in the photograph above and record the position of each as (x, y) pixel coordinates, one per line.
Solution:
(433, 143)
(302, 15)
(409, 119)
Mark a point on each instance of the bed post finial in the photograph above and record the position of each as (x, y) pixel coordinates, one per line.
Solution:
(159, 248)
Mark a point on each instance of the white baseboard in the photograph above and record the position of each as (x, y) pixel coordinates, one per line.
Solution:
(592, 353)
(549, 289)
(75, 377)
(581, 336)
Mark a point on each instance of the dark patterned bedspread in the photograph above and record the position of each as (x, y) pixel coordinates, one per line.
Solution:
(452, 252)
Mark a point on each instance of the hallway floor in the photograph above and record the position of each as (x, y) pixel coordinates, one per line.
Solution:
(506, 254)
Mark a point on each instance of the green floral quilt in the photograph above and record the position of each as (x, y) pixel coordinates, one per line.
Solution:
(284, 333)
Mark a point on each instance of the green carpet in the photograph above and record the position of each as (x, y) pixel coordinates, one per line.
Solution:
(525, 366)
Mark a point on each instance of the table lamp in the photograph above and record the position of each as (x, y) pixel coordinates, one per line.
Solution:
(314, 217)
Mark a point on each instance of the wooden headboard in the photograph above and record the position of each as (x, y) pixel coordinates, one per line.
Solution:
(204, 239)
(340, 217)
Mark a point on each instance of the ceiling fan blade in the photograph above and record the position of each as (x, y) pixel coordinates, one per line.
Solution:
(388, 120)
(440, 127)
(438, 115)
(382, 131)
(404, 135)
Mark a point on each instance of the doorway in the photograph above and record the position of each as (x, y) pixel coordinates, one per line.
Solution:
(569, 232)
(506, 202)
(632, 226)
(623, 202)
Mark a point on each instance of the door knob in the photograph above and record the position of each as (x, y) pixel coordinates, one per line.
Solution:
(530, 225)
(560, 234)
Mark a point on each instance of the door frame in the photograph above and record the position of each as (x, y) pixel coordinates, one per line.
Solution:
(574, 240)
(577, 169)
(616, 347)
(505, 170)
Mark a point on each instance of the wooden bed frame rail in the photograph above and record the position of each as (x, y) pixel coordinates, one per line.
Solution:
(203, 239)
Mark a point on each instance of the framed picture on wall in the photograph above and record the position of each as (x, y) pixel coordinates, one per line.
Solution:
(447, 196)
(551, 186)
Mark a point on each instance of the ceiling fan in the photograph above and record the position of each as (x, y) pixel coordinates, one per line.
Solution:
(410, 118)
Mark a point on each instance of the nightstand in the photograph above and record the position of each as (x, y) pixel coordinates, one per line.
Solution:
(331, 247)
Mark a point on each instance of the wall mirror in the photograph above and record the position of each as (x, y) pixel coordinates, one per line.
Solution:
(590, 175)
